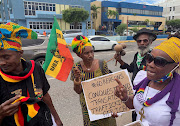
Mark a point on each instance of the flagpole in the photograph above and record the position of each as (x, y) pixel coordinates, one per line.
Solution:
(76, 68)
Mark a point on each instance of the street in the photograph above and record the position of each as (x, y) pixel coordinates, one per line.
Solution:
(66, 101)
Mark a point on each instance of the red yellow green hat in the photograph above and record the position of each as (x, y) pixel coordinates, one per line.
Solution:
(79, 42)
(11, 34)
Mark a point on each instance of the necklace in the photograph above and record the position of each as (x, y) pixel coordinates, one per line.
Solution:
(88, 69)
(141, 112)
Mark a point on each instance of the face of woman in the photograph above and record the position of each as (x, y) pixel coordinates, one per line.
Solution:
(155, 72)
(10, 60)
(88, 54)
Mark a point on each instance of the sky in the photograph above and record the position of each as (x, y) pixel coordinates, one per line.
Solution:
(149, 2)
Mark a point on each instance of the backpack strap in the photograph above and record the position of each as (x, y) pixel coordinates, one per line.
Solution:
(101, 66)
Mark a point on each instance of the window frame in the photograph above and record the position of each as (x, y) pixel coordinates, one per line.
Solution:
(40, 25)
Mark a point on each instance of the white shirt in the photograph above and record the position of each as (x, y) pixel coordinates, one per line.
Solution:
(158, 114)
(139, 77)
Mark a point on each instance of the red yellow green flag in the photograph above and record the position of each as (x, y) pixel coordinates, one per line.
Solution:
(59, 61)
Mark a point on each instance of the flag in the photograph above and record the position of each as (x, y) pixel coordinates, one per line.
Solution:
(59, 61)
(32, 110)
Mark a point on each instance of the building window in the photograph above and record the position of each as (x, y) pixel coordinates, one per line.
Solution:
(173, 8)
(169, 17)
(170, 8)
(172, 17)
(119, 10)
(40, 25)
(76, 6)
(124, 10)
(88, 25)
(138, 11)
(71, 26)
(31, 7)
(79, 26)
(11, 11)
(105, 9)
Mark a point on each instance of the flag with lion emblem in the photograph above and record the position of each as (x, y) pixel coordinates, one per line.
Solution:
(59, 61)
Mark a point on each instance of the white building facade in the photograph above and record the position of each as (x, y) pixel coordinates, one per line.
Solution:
(171, 9)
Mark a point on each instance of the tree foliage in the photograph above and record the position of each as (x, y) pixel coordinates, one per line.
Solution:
(152, 23)
(94, 11)
(175, 24)
(120, 28)
(135, 29)
(147, 21)
(75, 15)
(112, 14)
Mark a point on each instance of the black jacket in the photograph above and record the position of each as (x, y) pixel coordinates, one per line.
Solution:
(133, 66)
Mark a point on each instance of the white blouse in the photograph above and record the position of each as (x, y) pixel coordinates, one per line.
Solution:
(158, 114)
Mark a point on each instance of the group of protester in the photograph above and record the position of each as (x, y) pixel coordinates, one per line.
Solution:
(156, 101)
(24, 87)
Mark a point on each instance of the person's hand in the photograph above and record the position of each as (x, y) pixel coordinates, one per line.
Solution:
(117, 56)
(121, 91)
(9, 109)
(114, 115)
(77, 74)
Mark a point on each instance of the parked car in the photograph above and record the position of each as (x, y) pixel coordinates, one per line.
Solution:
(130, 32)
(102, 43)
(35, 49)
(40, 35)
(71, 33)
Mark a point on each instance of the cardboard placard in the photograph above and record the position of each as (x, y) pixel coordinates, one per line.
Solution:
(99, 94)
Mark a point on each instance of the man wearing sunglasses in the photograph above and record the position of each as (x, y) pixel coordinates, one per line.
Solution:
(144, 39)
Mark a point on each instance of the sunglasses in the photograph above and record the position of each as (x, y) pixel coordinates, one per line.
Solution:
(144, 40)
(158, 61)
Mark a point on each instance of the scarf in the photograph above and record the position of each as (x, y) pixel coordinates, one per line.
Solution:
(139, 59)
(173, 100)
(31, 103)
(14, 79)
(32, 107)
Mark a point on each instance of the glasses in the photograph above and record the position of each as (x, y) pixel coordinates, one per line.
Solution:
(144, 40)
(158, 61)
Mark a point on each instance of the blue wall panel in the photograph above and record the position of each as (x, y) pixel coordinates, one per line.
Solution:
(140, 6)
(110, 4)
(140, 15)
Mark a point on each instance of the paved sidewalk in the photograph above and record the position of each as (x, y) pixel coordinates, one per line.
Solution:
(124, 119)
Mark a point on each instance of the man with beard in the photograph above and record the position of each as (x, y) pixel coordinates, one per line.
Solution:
(144, 39)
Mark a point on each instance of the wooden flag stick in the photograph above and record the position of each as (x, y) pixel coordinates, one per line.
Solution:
(76, 68)
(110, 59)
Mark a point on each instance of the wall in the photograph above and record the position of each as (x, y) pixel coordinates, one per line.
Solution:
(118, 38)
(124, 38)
(99, 16)
(143, 18)
(166, 8)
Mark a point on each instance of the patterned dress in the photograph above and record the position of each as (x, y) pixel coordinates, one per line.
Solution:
(89, 75)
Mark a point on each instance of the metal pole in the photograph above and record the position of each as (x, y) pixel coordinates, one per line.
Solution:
(87, 27)
(127, 26)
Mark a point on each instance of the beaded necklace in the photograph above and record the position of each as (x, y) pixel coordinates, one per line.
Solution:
(143, 101)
